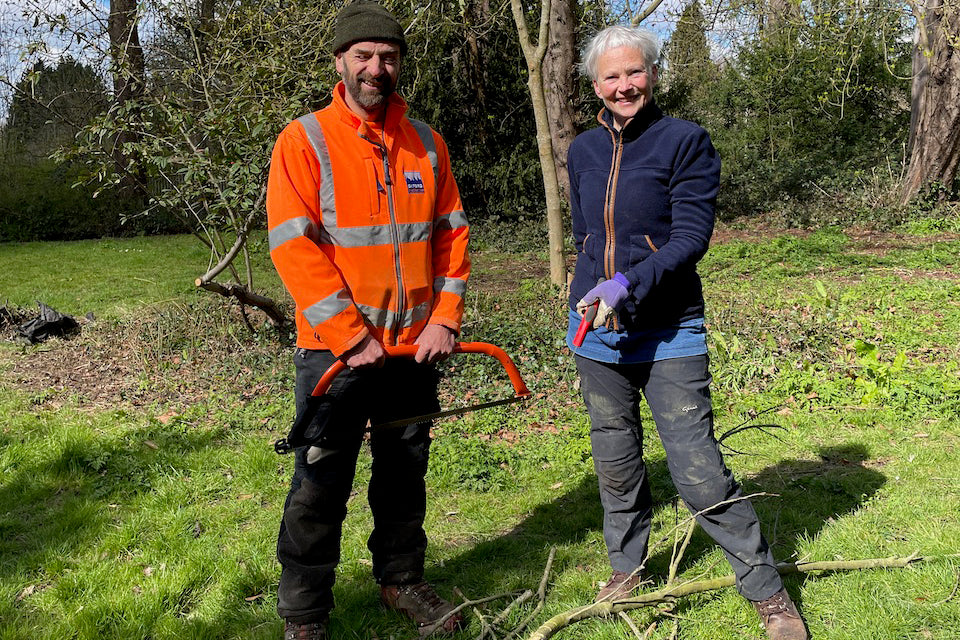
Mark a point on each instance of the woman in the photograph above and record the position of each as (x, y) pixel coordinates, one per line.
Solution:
(643, 188)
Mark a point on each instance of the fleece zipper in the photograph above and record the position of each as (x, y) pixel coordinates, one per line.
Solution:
(394, 237)
(610, 244)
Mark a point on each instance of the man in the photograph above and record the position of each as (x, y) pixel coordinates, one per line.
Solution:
(368, 235)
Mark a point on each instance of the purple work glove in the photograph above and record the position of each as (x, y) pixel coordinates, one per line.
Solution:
(610, 293)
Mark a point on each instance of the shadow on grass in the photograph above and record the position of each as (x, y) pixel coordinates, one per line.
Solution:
(810, 493)
(59, 503)
(66, 499)
(513, 561)
(807, 494)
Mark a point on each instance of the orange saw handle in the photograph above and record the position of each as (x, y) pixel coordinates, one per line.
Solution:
(297, 436)
(410, 350)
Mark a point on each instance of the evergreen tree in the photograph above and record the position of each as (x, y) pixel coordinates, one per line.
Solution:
(51, 104)
(688, 70)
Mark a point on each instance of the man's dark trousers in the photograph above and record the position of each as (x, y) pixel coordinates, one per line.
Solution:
(678, 393)
(308, 546)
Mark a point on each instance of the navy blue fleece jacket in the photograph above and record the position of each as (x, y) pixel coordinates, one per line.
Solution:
(642, 203)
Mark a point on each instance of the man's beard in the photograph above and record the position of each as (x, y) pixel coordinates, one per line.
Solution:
(369, 99)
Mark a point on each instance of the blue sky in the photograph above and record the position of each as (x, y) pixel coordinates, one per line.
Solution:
(17, 18)
(17, 31)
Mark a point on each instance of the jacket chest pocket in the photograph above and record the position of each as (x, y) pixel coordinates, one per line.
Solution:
(376, 189)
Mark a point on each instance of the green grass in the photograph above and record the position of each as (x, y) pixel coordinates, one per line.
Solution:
(142, 500)
(113, 277)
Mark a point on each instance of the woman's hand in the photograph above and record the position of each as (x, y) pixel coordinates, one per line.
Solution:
(611, 295)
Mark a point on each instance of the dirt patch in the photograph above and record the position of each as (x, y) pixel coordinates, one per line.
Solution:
(871, 242)
(725, 233)
(143, 362)
(505, 272)
(97, 376)
(110, 366)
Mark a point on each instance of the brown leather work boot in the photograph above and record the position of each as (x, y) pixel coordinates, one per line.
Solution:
(420, 603)
(306, 631)
(619, 586)
(780, 617)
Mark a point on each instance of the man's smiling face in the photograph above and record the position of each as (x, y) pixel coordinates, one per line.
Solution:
(369, 71)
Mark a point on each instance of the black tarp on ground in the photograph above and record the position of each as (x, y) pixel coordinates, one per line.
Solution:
(50, 323)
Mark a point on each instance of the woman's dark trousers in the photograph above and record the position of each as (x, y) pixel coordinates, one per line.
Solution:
(678, 393)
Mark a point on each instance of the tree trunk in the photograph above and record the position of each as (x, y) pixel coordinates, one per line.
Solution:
(475, 15)
(935, 114)
(548, 168)
(779, 14)
(128, 84)
(560, 85)
(205, 13)
(125, 49)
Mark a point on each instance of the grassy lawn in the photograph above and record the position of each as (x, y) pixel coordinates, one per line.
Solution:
(113, 277)
(140, 496)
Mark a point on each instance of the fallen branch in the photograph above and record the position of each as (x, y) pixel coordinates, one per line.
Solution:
(677, 555)
(670, 593)
(956, 585)
(653, 547)
(437, 624)
(633, 625)
(541, 597)
(526, 595)
(246, 297)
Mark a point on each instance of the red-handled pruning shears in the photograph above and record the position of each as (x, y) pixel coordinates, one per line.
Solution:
(297, 436)
(586, 323)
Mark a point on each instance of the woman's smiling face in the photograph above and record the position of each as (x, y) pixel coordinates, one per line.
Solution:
(624, 82)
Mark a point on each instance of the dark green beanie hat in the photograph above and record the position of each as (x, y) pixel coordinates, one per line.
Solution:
(366, 20)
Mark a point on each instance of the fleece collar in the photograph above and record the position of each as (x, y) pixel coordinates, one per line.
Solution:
(636, 125)
(396, 108)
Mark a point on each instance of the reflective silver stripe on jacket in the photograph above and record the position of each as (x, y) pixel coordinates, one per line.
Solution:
(453, 220)
(450, 285)
(328, 201)
(426, 137)
(382, 318)
(321, 311)
(293, 228)
(376, 235)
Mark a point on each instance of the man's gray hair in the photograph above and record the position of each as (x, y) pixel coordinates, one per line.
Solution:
(612, 37)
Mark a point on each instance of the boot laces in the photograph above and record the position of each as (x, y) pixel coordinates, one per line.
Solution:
(424, 594)
(773, 605)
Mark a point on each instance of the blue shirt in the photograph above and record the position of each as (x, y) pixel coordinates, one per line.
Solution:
(687, 338)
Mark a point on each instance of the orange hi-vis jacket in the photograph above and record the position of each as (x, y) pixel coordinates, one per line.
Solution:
(366, 227)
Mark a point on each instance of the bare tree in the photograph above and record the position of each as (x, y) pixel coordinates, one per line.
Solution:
(129, 80)
(534, 53)
(935, 111)
(560, 84)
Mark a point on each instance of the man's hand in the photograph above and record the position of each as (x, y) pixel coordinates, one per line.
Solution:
(611, 294)
(367, 353)
(436, 342)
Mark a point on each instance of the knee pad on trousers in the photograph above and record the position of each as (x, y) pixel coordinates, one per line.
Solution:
(708, 493)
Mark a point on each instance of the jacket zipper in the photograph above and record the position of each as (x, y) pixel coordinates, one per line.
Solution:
(610, 245)
(394, 236)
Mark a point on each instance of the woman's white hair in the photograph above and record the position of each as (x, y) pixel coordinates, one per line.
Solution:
(611, 38)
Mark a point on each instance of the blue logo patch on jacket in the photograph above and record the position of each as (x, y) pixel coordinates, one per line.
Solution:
(414, 181)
